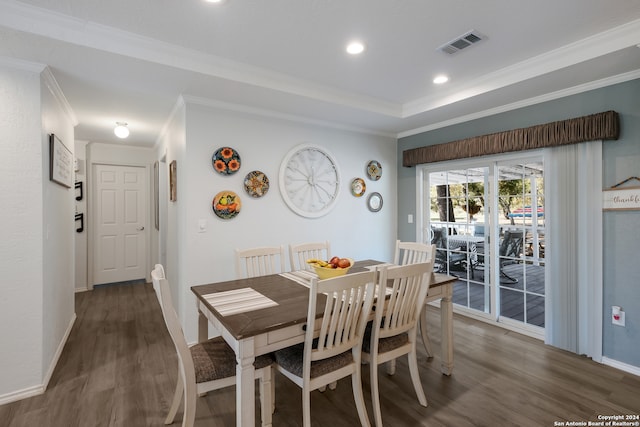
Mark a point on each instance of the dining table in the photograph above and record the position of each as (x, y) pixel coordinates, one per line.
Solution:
(259, 315)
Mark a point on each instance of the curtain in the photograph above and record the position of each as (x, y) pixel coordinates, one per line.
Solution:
(573, 310)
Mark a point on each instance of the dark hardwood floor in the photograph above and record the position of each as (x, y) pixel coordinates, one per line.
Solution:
(119, 369)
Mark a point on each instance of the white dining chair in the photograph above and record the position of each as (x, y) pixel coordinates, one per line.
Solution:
(254, 262)
(413, 253)
(332, 344)
(206, 366)
(299, 254)
(393, 332)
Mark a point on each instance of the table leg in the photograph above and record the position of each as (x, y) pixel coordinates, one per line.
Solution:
(446, 319)
(423, 331)
(203, 327)
(245, 384)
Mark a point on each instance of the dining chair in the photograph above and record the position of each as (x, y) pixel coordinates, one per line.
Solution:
(299, 254)
(393, 331)
(332, 343)
(414, 253)
(261, 261)
(206, 366)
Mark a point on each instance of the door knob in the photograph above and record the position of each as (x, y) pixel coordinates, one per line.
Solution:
(140, 228)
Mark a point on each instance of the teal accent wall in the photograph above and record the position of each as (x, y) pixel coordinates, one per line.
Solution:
(621, 159)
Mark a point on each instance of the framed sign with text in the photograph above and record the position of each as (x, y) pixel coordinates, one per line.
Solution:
(60, 162)
(621, 199)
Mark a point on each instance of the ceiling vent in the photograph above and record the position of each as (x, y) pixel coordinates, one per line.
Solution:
(462, 42)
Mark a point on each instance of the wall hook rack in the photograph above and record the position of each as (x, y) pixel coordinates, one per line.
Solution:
(79, 186)
(80, 217)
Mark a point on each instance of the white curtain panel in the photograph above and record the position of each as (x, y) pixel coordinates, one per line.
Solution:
(573, 209)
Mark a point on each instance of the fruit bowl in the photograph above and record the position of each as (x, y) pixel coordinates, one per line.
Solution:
(328, 272)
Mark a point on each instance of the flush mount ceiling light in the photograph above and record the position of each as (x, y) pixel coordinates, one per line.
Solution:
(215, 1)
(355, 48)
(121, 130)
(440, 79)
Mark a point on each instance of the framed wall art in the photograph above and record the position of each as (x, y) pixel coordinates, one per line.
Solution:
(173, 184)
(156, 194)
(60, 162)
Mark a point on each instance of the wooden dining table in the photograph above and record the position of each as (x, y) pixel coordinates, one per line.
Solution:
(262, 314)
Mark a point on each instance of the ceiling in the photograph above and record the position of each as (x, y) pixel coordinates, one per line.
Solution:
(132, 60)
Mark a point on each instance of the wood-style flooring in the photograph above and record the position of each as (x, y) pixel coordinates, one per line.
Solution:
(119, 369)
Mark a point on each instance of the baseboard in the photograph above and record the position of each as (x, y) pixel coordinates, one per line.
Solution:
(14, 396)
(56, 357)
(635, 370)
(39, 389)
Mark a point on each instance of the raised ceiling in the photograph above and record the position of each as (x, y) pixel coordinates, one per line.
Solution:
(131, 60)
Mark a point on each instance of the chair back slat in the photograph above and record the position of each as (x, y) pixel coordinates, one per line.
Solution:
(348, 303)
(409, 286)
(299, 254)
(261, 261)
(413, 253)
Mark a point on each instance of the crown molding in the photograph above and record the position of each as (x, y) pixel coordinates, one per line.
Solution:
(597, 84)
(239, 108)
(19, 64)
(52, 84)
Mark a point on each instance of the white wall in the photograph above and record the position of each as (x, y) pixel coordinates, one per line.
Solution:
(262, 142)
(58, 283)
(36, 255)
(21, 257)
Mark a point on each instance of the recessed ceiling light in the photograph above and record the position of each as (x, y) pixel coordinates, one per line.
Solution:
(121, 130)
(215, 1)
(354, 48)
(440, 79)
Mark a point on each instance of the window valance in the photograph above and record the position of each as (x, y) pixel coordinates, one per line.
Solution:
(600, 126)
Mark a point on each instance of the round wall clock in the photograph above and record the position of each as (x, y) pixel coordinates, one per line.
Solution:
(309, 180)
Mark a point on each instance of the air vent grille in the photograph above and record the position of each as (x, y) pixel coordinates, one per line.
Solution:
(462, 42)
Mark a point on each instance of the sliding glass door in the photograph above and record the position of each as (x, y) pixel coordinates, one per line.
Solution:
(487, 221)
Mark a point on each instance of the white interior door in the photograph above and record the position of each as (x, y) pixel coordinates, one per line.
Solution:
(120, 249)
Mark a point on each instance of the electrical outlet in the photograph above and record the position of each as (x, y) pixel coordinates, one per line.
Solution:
(617, 316)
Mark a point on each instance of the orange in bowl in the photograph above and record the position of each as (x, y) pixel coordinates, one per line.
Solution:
(327, 272)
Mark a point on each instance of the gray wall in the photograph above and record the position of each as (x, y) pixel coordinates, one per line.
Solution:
(621, 159)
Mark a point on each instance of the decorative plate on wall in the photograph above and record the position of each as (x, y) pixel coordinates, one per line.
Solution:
(374, 170)
(374, 202)
(256, 184)
(226, 161)
(226, 204)
(358, 187)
